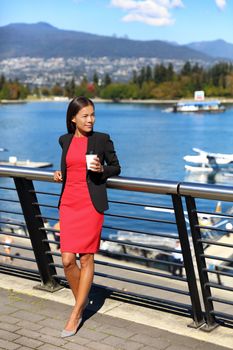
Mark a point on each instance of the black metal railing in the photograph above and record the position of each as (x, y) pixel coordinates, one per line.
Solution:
(138, 256)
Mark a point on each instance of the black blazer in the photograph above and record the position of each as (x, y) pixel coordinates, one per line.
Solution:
(100, 144)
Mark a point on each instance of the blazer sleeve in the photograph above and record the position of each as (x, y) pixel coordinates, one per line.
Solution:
(60, 140)
(112, 166)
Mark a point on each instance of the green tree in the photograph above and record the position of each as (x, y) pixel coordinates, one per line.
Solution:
(95, 78)
(24, 91)
(219, 72)
(148, 74)
(70, 88)
(118, 91)
(142, 76)
(160, 73)
(107, 79)
(57, 90)
(186, 69)
(135, 77)
(146, 90)
(5, 92)
(170, 72)
(12, 90)
(45, 91)
(2, 81)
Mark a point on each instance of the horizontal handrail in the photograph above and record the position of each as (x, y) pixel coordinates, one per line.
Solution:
(205, 191)
(123, 183)
(27, 173)
(218, 192)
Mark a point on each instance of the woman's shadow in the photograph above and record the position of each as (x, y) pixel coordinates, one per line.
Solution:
(97, 298)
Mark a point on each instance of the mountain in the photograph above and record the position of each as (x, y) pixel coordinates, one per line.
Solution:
(45, 41)
(217, 48)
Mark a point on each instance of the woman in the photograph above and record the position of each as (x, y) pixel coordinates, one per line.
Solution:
(83, 200)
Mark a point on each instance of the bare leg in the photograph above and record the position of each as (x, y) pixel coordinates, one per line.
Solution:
(72, 272)
(85, 282)
(8, 258)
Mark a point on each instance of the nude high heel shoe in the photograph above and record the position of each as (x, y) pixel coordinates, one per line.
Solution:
(65, 333)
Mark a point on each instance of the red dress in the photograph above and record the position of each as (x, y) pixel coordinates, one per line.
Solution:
(80, 222)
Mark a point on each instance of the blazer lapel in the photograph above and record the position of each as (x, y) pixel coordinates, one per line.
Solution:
(91, 143)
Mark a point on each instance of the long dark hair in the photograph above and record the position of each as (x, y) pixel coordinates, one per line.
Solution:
(74, 107)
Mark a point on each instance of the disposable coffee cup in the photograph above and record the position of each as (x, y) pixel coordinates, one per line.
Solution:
(89, 160)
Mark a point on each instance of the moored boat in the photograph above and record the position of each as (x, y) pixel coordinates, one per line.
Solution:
(13, 161)
(199, 106)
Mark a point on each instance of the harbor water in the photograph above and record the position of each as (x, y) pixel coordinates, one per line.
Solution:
(150, 141)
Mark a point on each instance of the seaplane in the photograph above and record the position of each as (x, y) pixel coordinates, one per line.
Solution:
(208, 162)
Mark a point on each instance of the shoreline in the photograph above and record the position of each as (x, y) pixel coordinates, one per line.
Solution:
(99, 100)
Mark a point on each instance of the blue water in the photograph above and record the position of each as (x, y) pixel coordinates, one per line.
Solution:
(150, 141)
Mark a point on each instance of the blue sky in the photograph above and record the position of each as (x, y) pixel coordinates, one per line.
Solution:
(182, 21)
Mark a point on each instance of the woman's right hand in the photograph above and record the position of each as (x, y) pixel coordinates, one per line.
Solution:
(57, 176)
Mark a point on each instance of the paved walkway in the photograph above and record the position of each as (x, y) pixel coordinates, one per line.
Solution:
(31, 322)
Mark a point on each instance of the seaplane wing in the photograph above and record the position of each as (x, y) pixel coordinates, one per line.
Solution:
(199, 159)
(228, 156)
(221, 155)
(200, 151)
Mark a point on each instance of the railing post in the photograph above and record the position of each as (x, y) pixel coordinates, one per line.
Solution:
(34, 222)
(188, 263)
(201, 264)
(218, 276)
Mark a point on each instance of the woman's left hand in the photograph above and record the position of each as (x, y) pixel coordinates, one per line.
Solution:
(96, 165)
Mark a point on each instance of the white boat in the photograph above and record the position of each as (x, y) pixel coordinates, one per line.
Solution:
(199, 106)
(13, 161)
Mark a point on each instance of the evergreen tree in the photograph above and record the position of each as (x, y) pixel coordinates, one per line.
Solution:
(160, 73)
(12, 89)
(170, 72)
(2, 81)
(142, 76)
(70, 88)
(148, 74)
(107, 79)
(187, 69)
(95, 78)
(135, 77)
(57, 90)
